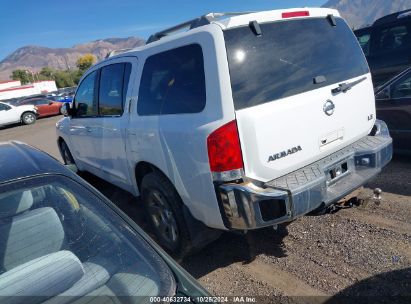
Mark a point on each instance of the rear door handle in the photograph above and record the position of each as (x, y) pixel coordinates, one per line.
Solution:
(89, 129)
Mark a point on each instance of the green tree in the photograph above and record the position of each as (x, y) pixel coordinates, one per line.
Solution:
(85, 62)
(76, 75)
(21, 75)
(47, 73)
(63, 79)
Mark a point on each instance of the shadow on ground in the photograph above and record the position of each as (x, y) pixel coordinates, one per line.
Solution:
(232, 247)
(228, 249)
(389, 287)
(10, 126)
(122, 199)
(395, 177)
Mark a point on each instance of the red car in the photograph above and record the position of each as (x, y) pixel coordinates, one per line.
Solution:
(45, 106)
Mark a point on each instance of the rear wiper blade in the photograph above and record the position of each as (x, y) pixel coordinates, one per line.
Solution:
(345, 86)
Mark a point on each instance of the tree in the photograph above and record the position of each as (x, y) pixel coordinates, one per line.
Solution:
(63, 79)
(21, 75)
(47, 73)
(85, 62)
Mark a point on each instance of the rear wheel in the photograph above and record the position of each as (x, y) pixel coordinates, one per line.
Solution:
(28, 118)
(164, 210)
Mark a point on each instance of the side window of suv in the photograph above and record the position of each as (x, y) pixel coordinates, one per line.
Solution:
(393, 38)
(402, 89)
(113, 88)
(84, 99)
(364, 41)
(173, 82)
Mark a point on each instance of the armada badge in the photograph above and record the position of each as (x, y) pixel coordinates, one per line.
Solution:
(284, 153)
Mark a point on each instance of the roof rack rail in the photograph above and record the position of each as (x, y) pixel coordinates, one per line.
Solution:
(116, 52)
(392, 17)
(191, 24)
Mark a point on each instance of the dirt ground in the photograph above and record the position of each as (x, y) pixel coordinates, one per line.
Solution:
(360, 251)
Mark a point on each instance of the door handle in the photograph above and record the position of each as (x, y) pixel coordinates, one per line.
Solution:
(89, 129)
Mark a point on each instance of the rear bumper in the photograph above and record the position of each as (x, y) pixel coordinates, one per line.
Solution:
(247, 206)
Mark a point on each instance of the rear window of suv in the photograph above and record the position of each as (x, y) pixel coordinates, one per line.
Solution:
(286, 58)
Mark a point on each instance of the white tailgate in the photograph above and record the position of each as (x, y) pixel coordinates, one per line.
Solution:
(281, 136)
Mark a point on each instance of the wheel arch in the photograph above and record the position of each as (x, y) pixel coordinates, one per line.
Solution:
(143, 168)
(27, 111)
(200, 234)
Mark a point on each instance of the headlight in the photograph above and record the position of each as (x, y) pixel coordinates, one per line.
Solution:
(380, 129)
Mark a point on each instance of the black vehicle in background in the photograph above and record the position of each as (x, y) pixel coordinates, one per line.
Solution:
(393, 102)
(387, 45)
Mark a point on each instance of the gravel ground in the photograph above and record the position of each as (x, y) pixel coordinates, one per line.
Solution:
(360, 251)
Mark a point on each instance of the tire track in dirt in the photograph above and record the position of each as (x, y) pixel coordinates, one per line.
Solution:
(286, 282)
(331, 261)
(365, 216)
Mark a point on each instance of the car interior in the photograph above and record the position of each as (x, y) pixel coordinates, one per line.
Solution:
(56, 249)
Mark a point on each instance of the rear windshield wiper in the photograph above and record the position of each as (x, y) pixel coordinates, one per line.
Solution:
(345, 86)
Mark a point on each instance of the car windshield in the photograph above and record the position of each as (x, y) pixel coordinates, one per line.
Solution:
(59, 242)
(288, 57)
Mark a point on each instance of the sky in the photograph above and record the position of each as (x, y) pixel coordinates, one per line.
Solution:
(53, 23)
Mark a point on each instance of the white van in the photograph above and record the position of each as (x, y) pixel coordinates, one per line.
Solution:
(231, 122)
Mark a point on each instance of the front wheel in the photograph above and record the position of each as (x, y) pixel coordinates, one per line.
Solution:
(164, 210)
(28, 118)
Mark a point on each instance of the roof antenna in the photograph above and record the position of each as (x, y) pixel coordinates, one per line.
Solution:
(255, 27)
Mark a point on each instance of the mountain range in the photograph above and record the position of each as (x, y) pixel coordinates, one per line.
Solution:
(357, 12)
(35, 57)
(364, 12)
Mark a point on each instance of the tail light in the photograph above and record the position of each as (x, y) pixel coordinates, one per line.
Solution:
(296, 14)
(224, 153)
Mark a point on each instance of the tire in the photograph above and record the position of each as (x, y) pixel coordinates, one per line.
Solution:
(164, 211)
(66, 154)
(28, 118)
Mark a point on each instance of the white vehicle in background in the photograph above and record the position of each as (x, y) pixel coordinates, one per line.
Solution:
(10, 114)
(241, 121)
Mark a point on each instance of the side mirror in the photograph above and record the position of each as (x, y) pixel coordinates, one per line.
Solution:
(66, 110)
(384, 94)
(50, 103)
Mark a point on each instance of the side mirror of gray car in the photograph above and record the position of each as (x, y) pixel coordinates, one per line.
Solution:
(66, 109)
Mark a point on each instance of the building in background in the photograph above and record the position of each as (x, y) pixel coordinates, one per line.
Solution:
(14, 89)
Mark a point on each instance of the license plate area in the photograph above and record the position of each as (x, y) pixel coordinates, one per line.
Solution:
(336, 172)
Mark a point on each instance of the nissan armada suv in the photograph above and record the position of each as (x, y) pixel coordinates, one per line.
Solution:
(231, 122)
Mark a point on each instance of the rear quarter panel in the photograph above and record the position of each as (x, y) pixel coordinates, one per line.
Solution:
(177, 143)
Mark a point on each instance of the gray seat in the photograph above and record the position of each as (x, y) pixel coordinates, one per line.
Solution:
(29, 235)
(43, 278)
(12, 204)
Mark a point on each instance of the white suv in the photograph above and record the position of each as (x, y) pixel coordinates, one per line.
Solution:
(239, 122)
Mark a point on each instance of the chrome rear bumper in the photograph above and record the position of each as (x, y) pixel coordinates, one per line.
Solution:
(246, 206)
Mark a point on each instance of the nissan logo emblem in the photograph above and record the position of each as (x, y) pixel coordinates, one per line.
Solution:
(329, 108)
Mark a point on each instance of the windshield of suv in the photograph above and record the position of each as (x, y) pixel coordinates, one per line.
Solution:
(60, 242)
(288, 56)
